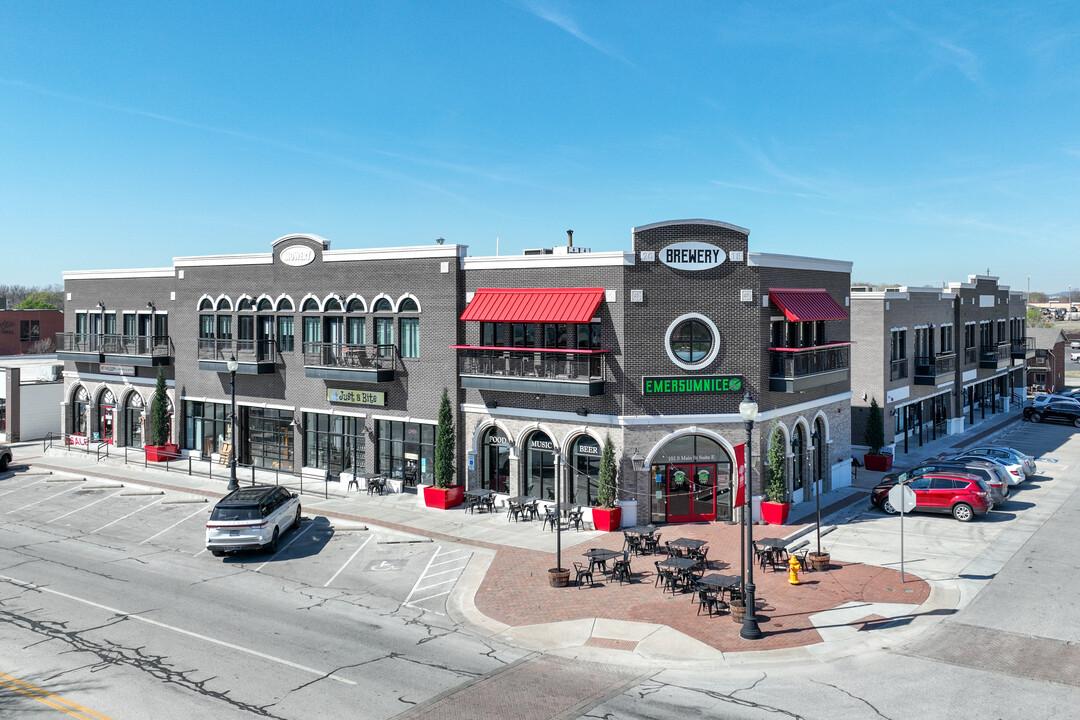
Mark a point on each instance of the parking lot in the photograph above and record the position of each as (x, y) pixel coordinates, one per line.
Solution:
(964, 556)
(399, 569)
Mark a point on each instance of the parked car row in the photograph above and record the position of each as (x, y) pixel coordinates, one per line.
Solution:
(963, 485)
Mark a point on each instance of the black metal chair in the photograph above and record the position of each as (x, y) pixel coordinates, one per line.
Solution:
(551, 518)
(513, 510)
(531, 510)
(706, 600)
(583, 573)
(574, 518)
(621, 569)
(651, 543)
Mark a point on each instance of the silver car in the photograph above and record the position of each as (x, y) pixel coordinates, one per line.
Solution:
(5, 457)
(1006, 453)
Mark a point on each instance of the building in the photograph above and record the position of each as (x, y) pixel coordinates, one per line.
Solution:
(22, 331)
(343, 356)
(1046, 367)
(934, 358)
(31, 387)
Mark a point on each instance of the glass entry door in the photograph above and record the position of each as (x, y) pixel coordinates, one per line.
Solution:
(691, 491)
(107, 423)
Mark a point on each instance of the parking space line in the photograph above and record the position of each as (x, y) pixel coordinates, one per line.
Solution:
(435, 585)
(410, 602)
(126, 516)
(22, 487)
(189, 633)
(443, 572)
(75, 487)
(299, 534)
(334, 577)
(200, 510)
(429, 597)
(84, 507)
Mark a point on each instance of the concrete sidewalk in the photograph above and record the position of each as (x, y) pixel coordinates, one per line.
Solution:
(505, 593)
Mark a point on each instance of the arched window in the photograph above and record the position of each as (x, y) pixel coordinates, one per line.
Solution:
(224, 304)
(245, 305)
(206, 304)
(540, 466)
(285, 305)
(310, 305)
(133, 420)
(265, 305)
(409, 305)
(355, 305)
(383, 305)
(495, 460)
(585, 469)
(333, 305)
(79, 407)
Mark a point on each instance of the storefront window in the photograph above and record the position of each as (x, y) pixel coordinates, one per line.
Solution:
(690, 481)
(206, 426)
(79, 408)
(540, 467)
(270, 438)
(333, 442)
(495, 461)
(133, 420)
(585, 465)
(406, 451)
(104, 425)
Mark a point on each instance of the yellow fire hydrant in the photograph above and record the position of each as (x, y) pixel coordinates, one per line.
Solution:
(794, 567)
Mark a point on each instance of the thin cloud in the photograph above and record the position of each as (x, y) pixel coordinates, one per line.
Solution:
(964, 60)
(569, 25)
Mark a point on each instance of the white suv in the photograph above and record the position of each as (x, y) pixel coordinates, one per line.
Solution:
(252, 517)
(5, 457)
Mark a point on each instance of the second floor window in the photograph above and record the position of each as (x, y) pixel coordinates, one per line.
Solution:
(946, 339)
(410, 337)
(899, 345)
(285, 333)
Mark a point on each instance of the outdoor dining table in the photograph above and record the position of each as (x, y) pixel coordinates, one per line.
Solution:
(600, 556)
(640, 530)
(484, 497)
(679, 563)
(721, 583)
(774, 550)
(687, 544)
(525, 503)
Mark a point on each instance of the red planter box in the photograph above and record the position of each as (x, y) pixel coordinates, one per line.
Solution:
(607, 519)
(444, 498)
(775, 513)
(878, 463)
(161, 453)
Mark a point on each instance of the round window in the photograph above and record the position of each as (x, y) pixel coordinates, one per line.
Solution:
(692, 341)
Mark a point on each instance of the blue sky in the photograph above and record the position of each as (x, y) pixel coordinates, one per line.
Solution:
(924, 141)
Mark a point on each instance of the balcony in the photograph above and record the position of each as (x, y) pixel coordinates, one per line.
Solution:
(970, 355)
(255, 357)
(934, 370)
(545, 371)
(141, 350)
(1023, 348)
(898, 369)
(352, 363)
(794, 370)
(995, 357)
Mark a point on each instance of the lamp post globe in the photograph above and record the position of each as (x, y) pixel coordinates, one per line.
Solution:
(748, 409)
(232, 365)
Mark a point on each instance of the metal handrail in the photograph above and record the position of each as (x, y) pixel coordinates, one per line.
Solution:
(242, 350)
(812, 361)
(529, 363)
(324, 354)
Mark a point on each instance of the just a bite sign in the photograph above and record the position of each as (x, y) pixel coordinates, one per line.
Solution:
(692, 256)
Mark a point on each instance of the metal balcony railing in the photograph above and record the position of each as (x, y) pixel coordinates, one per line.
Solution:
(344, 355)
(531, 364)
(112, 344)
(996, 354)
(800, 362)
(898, 369)
(245, 351)
(970, 355)
(935, 366)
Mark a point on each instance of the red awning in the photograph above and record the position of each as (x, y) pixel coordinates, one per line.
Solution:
(534, 305)
(801, 305)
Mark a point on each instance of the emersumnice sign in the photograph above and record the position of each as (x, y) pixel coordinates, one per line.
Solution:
(692, 256)
(690, 385)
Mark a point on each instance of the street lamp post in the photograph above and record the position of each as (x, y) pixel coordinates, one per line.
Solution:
(232, 365)
(814, 438)
(748, 409)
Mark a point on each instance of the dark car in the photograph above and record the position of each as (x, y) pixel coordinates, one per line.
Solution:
(962, 495)
(1066, 412)
(994, 477)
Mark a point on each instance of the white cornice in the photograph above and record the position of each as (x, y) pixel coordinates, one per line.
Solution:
(667, 223)
(517, 262)
(797, 262)
(214, 260)
(117, 274)
(396, 253)
(633, 420)
(302, 236)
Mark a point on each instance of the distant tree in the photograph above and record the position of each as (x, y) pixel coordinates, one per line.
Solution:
(1035, 318)
(38, 301)
(1036, 296)
(45, 346)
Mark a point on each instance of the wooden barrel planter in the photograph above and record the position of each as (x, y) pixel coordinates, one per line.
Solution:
(819, 562)
(558, 577)
(737, 608)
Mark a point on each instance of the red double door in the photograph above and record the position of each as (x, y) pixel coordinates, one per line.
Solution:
(691, 493)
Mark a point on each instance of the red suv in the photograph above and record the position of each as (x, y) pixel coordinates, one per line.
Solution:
(964, 496)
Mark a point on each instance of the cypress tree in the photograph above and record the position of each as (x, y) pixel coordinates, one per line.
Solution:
(609, 476)
(444, 444)
(875, 428)
(159, 413)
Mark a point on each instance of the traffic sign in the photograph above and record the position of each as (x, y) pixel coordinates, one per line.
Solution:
(902, 498)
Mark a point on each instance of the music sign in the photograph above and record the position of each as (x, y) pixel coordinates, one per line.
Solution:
(355, 397)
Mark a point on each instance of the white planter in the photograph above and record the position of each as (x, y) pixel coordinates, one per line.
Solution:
(395, 486)
(629, 513)
(420, 494)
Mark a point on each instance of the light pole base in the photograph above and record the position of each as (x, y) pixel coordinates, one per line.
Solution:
(750, 629)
